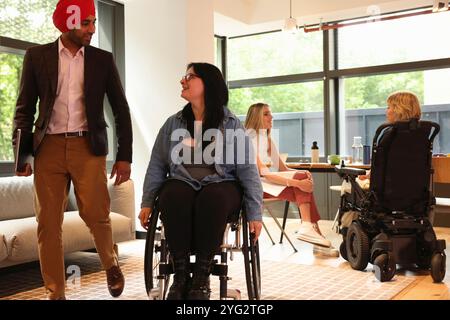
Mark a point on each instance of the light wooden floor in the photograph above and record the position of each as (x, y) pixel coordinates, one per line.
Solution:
(422, 288)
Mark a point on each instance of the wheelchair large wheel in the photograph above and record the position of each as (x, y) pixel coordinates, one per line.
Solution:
(252, 263)
(438, 266)
(343, 250)
(156, 252)
(384, 266)
(357, 247)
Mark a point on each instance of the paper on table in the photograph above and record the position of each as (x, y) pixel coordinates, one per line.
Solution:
(275, 189)
(285, 174)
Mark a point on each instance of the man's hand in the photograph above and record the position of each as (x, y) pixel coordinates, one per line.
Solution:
(255, 227)
(26, 172)
(122, 171)
(144, 215)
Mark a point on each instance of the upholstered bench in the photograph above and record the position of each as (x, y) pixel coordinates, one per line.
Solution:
(18, 226)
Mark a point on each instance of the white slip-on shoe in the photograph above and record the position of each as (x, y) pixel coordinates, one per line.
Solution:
(309, 234)
(324, 251)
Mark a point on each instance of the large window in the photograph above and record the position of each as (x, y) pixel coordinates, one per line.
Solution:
(332, 85)
(395, 41)
(282, 70)
(364, 104)
(274, 54)
(10, 69)
(297, 109)
(27, 20)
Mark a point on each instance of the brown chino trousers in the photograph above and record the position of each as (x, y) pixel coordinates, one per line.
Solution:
(59, 161)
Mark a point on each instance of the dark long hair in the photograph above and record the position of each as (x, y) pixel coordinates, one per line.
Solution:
(216, 93)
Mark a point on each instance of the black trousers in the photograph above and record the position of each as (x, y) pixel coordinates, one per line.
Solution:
(195, 221)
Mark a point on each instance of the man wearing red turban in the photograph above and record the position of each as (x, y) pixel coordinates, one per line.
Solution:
(70, 78)
(69, 13)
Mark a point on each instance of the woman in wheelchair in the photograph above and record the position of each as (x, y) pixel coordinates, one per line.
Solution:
(299, 183)
(401, 105)
(386, 222)
(199, 180)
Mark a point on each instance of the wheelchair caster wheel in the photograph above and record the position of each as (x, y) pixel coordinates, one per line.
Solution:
(384, 266)
(438, 266)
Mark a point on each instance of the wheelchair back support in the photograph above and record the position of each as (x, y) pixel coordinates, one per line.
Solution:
(401, 166)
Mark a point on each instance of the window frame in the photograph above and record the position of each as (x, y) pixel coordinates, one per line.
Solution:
(331, 75)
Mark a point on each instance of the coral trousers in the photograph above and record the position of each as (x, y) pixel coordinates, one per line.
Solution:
(293, 194)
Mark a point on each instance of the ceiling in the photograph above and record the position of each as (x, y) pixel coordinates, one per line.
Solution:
(237, 17)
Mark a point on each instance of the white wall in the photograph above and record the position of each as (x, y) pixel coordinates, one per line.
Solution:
(161, 37)
(200, 31)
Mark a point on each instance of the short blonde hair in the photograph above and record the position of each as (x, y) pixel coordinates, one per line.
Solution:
(405, 105)
(254, 118)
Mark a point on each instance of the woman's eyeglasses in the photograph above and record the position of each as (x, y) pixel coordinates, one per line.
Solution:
(189, 76)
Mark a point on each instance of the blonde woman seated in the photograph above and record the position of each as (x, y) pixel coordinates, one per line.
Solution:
(401, 106)
(298, 183)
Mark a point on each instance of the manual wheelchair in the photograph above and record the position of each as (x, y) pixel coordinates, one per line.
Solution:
(158, 266)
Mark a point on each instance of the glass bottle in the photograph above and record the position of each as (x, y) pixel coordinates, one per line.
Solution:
(357, 149)
(314, 153)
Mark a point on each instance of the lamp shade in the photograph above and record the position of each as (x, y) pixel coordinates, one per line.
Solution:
(290, 25)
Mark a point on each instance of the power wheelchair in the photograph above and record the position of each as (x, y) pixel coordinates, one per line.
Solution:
(158, 266)
(389, 224)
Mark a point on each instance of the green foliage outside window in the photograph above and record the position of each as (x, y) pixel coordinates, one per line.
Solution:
(10, 70)
(294, 97)
(28, 20)
(274, 54)
(372, 91)
(360, 93)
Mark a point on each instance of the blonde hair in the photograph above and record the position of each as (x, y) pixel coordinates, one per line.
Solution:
(254, 118)
(254, 121)
(405, 105)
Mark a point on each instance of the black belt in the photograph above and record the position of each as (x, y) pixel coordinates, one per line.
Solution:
(73, 134)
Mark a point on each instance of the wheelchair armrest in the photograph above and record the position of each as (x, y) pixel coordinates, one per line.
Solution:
(346, 171)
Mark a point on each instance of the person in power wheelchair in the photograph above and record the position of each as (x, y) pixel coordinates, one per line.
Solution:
(389, 223)
(200, 176)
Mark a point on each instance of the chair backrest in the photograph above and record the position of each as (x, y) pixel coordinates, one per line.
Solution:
(401, 166)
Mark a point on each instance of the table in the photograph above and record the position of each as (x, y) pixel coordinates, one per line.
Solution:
(441, 166)
(322, 166)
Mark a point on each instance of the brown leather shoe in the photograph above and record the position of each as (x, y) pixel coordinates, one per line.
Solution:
(116, 281)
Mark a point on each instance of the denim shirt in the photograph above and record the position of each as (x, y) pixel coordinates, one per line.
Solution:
(231, 166)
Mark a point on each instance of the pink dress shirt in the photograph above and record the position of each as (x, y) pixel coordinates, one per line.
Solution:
(69, 110)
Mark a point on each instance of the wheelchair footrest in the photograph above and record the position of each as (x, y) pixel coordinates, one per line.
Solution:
(382, 245)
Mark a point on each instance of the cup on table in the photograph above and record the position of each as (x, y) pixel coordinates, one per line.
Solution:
(334, 159)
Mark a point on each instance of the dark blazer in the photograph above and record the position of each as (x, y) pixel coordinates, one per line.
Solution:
(39, 81)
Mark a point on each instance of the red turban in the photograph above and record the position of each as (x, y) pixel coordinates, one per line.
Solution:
(65, 17)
